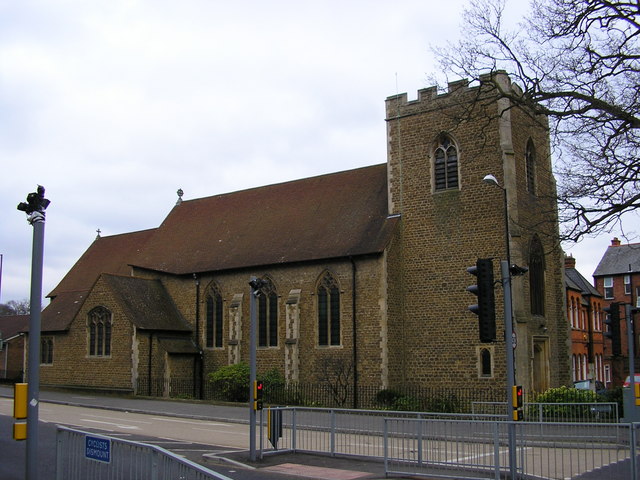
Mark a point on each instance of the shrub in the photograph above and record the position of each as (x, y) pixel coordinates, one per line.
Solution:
(232, 382)
(565, 396)
(387, 398)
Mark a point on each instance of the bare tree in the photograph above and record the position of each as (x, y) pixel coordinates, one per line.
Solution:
(14, 307)
(337, 373)
(577, 62)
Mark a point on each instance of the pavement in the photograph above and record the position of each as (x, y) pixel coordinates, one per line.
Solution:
(297, 465)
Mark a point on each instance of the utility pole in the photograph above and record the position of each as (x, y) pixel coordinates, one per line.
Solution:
(34, 207)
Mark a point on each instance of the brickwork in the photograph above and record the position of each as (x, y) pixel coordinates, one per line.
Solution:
(73, 366)
(443, 232)
(296, 352)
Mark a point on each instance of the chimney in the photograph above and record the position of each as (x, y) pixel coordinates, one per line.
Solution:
(569, 262)
(615, 242)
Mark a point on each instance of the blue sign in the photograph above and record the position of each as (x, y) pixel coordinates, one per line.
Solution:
(97, 448)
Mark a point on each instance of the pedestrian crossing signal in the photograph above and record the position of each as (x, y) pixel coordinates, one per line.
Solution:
(258, 390)
(518, 398)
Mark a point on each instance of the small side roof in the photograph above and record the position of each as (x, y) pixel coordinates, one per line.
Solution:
(12, 325)
(147, 303)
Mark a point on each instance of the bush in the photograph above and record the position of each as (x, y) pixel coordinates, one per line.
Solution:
(565, 395)
(232, 382)
(387, 398)
(393, 400)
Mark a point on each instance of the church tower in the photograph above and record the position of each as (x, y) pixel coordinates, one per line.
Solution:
(440, 147)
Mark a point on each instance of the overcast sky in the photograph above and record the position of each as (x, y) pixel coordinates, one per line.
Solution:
(114, 105)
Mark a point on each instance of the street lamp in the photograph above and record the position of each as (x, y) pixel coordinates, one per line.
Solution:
(505, 268)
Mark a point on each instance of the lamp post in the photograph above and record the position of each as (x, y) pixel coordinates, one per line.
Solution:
(505, 268)
(34, 207)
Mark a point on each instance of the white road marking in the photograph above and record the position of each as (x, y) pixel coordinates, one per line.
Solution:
(118, 425)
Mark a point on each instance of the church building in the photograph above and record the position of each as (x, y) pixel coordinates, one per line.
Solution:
(364, 270)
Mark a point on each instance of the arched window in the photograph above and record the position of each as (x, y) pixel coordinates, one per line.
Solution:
(536, 278)
(99, 332)
(268, 315)
(445, 164)
(46, 350)
(485, 363)
(214, 319)
(530, 166)
(328, 311)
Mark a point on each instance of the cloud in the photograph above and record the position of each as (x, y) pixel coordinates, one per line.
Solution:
(113, 106)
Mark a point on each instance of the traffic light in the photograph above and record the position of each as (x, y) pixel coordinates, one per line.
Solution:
(613, 332)
(518, 395)
(486, 306)
(258, 389)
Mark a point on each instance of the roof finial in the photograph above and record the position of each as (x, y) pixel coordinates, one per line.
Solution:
(180, 193)
(98, 232)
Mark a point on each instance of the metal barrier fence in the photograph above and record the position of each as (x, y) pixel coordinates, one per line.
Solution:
(82, 455)
(342, 431)
(444, 448)
(437, 445)
(596, 412)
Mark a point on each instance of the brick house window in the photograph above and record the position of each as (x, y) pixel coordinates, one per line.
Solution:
(608, 287)
(99, 332)
(268, 315)
(536, 278)
(328, 294)
(46, 351)
(214, 319)
(445, 165)
(627, 284)
(530, 162)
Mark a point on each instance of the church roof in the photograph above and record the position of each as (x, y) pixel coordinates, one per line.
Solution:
(105, 255)
(329, 216)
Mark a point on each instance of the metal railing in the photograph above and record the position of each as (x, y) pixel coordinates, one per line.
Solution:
(343, 432)
(443, 445)
(82, 455)
(591, 412)
(444, 448)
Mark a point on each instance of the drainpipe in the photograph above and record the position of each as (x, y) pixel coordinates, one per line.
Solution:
(150, 362)
(354, 331)
(197, 361)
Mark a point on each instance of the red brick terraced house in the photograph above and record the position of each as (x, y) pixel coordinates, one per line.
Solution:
(586, 319)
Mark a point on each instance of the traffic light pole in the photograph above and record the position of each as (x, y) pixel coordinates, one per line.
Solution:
(252, 366)
(511, 375)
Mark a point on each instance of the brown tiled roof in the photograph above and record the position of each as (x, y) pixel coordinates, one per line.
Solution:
(57, 316)
(328, 216)
(178, 345)
(147, 303)
(11, 325)
(105, 255)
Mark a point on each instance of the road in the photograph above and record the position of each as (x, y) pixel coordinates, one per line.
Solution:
(189, 435)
